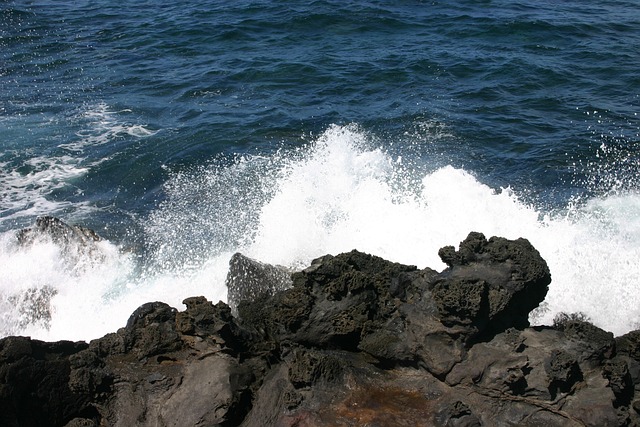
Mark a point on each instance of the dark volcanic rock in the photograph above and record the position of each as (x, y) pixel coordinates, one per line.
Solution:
(404, 316)
(249, 279)
(356, 340)
(34, 383)
(169, 368)
(69, 237)
(501, 280)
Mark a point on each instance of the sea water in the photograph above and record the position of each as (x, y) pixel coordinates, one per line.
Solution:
(185, 132)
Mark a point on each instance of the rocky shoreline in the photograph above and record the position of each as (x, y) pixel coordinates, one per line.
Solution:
(352, 340)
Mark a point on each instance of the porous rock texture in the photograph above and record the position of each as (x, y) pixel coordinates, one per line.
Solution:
(356, 340)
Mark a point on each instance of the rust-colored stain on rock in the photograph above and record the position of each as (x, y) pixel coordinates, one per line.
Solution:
(380, 407)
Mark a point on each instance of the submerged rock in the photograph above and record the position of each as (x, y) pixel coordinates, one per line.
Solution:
(355, 340)
(61, 233)
(78, 249)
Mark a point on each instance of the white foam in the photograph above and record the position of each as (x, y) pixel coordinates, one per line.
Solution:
(593, 253)
(25, 194)
(342, 196)
(101, 125)
(337, 194)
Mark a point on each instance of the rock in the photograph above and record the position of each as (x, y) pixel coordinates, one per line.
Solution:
(168, 368)
(34, 386)
(505, 279)
(563, 372)
(81, 422)
(78, 249)
(249, 279)
(353, 340)
(616, 371)
(458, 414)
(151, 330)
(72, 238)
(404, 316)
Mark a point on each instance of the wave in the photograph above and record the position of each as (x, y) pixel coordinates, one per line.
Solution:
(29, 181)
(339, 192)
(24, 194)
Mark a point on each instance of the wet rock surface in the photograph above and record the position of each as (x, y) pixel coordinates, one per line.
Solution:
(249, 279)
(71, 238)
(355, 340)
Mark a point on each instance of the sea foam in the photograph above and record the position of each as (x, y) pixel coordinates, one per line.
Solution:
(28, 182)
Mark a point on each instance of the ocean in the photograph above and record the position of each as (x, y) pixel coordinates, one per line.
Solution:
(183, 132)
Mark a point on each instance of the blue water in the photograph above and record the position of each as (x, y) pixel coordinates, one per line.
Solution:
(185, 131)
